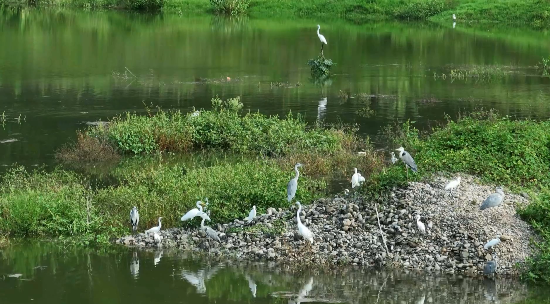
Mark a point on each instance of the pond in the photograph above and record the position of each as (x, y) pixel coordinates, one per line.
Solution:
(47, 273)
(63, 69)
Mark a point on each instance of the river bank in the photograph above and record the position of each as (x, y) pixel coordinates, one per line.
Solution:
(346, 231)
(531, 13)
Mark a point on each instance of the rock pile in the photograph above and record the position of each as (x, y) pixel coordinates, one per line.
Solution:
(348, 231)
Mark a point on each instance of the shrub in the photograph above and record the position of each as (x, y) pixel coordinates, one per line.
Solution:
(419, 10)
(230, 7)
(87, 150)
(144, 4)
(320, 67)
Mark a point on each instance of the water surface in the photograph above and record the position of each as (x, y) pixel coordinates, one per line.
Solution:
(47, 273)
(62, 69)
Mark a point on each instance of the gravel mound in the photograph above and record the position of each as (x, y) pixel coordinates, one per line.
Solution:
(347, 231)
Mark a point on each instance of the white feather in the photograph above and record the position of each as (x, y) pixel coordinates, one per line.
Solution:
(492, 243)
(302, 229)
(251, 215)
(453, 184)
(420, 225)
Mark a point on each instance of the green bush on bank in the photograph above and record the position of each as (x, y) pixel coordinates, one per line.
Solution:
(221, 128)
(230, 7)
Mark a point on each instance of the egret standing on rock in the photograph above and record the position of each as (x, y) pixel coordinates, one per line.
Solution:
(407, 159)
(134, 218)
(213, 234)
(251, 215)
(453, 184)
(356, 179)
(302, 229)
(492, 243)
(195, 212)
(293, 184)
(420, 225)
(155, 229)
(322, 38)
(493, 200)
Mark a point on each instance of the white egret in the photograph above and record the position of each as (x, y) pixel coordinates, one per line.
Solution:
(407, 159)
(293, 184)
(454, 17)
(134, 218)
(393, 158)
(195, 212)
(302, 229)
(213, 234)
(157, 237)
(251, 215)
(420, 225)
(453, 184)
(356, 179)
(492, 243)
(155, 229)
(322, 38)
(493, 200)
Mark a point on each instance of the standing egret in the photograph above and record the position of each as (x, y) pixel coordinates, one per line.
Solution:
(453, 184)
(407, 159)
(213, 234)
(302, 229)
(493, 200)
(251, 215)
(420, 225)
(293, 184)
(134, 218)
(195, 212)
(356, 179)
(322, 38)
(393, 158)
(155, 229)
(492, 243)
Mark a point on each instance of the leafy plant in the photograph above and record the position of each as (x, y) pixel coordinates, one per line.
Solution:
(320, 66)
(230, 7)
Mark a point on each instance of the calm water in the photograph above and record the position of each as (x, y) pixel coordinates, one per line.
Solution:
(45, 273)
(60, 69)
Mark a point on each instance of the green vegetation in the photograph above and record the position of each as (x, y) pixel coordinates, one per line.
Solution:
(320, 67)
(531, 13)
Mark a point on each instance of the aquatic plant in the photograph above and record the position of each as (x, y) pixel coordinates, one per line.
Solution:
(320, 66)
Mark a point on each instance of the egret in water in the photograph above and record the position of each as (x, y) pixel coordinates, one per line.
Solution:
(453, 185)
(420, 225)
(134, 218)
(251, 215)
(492, 243)
(393, 158)
(155, 229)
(322, 38)
(195, 212)
(213, 234)
(356, 179)
(407, 159)
(293, 184)
(493, 200)
(302, 229)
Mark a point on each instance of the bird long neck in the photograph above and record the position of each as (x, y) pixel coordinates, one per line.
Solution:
(297, 172)
(202, 223)
(298, 215)
(160, 224)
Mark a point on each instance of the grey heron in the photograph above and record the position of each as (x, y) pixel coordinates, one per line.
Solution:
(356, 179)
(195, 212)
(453, 184)
(302, 229)
(407, 159)
(322, 38)
(293, 184)
(134, 218)
(420, 225)
(213, 234)
(155, 229)
(251, 215)
(492, 243)
(493, 200)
